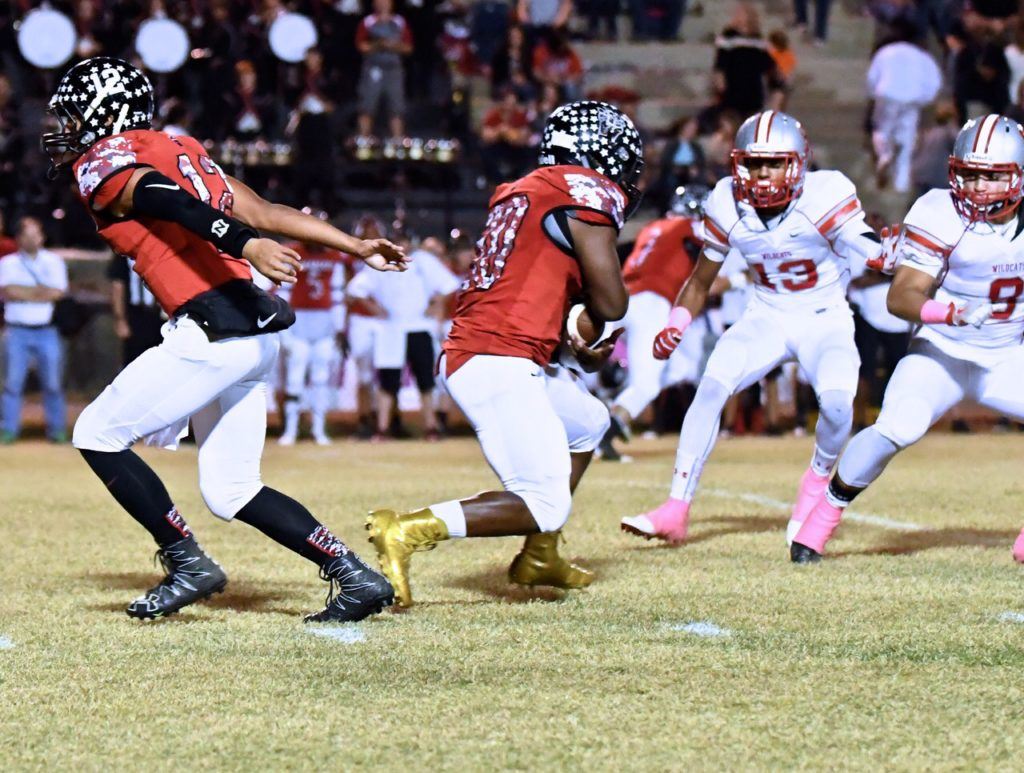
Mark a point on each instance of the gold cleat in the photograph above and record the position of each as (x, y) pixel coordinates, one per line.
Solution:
(396, 537)
(538, 563)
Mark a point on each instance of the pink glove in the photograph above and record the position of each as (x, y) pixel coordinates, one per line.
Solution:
(668, 339)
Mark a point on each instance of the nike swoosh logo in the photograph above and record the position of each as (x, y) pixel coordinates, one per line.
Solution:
(262, 323)
(166, 187)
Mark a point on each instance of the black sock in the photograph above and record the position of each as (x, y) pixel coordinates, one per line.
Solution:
(140, 492)
(841, 494)
(289, 523)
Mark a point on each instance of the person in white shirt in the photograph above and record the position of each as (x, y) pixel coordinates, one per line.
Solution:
(902, 79)
(405, 333)
(31, 280)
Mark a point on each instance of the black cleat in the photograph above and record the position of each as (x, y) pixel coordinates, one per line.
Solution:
(191, 576)
(355, 591)
(801, 554)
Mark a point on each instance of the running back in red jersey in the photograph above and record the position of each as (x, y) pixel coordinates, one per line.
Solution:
(524, 275)
(176, 264)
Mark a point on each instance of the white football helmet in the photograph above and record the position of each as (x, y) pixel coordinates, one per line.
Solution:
(993, 144)
(769, 134)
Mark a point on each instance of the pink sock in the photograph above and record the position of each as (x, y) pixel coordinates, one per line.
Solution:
(812, 488)
(820, 525)
(671, 519)
(1018, 548)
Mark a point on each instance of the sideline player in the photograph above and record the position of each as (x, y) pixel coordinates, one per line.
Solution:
(192, 233)
(313, 342)
(960, 277)
(796, 230)
(549, 237)
(665, 253)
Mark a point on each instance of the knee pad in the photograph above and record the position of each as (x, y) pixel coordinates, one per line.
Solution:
(549, 504)
(836, 407)
(905, 421)
(93, 432)
(225, 497)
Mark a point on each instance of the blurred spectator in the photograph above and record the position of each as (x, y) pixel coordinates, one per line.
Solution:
(1014, 53)
(31, 281)
(383, 38)
(137, 315)
(489, 24)
(657, 19)
(310, 126)
(682, 161)
(601, 13)
(538, 16)
(255, 112)
(7, 244)
(783, 55)
(400, 302)
(511, 60)
(990, 19)
(930, 167)
(11, 142)
(556, 63)
(821, 10)
(901, 79)
(979, 72)
(744, 71)
(504, 138)
(718, 145)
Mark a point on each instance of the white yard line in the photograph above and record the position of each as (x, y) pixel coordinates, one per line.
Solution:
(1012, 617)
(6, 644)
(344, 634)
(703, 628)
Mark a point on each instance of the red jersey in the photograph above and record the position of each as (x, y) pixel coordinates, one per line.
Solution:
(321, 281)
(519, 288)
(662, 258)
(176, 264)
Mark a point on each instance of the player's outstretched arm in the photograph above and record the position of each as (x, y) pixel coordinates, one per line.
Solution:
(259, 213)
(606, 296)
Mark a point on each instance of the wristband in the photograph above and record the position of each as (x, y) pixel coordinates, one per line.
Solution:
(935, 313)
(679, 318)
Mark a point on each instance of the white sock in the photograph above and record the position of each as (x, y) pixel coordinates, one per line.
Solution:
(451, 513)
(291, 417)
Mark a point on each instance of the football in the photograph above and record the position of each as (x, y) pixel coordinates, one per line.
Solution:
(578, 324)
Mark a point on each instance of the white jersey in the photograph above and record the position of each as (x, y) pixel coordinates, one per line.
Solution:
(970, 262)
(800, 259)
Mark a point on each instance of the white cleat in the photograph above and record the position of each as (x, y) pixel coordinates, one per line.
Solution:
(322, 440)
(792, 529)
(638, 524)
(286, 440)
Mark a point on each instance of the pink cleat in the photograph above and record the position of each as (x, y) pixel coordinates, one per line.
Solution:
(1018, 548)
(817, 530)
(668, 521)
(812, 489)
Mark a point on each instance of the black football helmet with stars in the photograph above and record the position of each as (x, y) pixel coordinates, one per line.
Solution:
(96, 98)
(597, 136)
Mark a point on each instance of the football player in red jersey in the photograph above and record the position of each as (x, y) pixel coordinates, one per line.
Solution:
(665, 252)
(549, 237)
(310, 345)
(192, 232)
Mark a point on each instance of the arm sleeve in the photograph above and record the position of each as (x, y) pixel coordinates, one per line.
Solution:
(158, 197)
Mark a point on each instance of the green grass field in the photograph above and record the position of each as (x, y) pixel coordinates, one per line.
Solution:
(896, 653)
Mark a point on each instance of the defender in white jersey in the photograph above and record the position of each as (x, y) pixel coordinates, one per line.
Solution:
(797, 231)
(960, 276)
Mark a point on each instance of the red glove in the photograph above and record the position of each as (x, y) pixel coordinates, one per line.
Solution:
(668, 339)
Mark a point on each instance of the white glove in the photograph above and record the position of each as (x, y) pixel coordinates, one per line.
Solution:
(887, 258)
(972, 313)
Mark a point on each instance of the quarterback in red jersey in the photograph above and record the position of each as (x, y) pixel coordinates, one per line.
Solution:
(661, 261)
(549, 238)
(191, 231)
